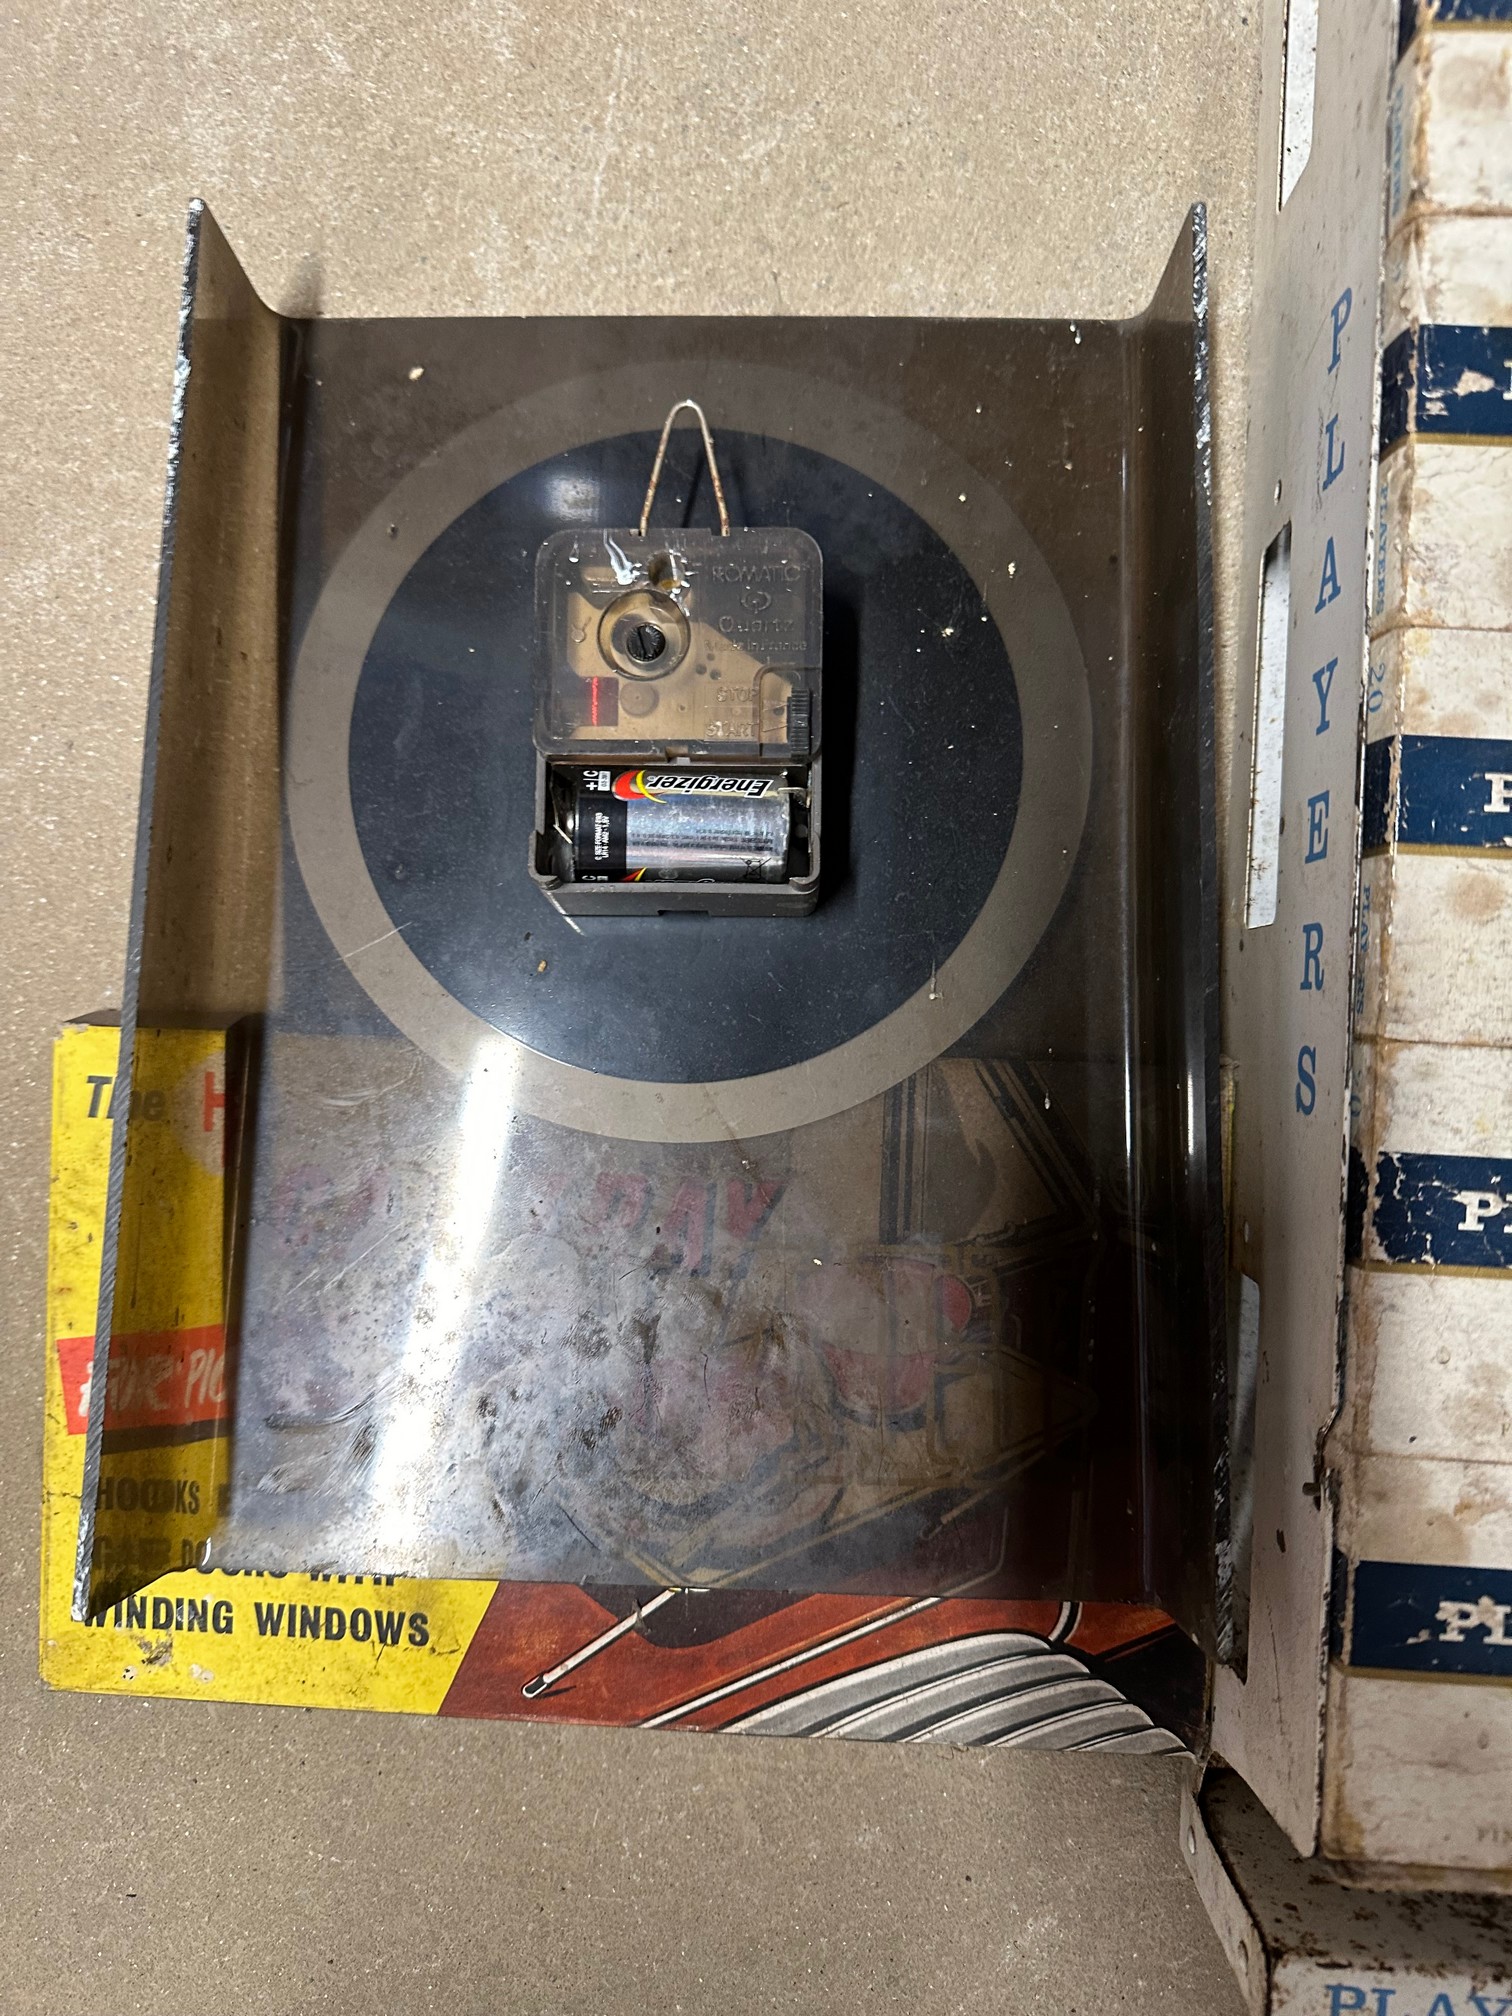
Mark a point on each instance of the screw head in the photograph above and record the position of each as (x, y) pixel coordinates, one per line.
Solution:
(644, 634)
(645, 643)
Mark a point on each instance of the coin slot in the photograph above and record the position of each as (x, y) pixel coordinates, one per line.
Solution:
(1299, 76)
(1269, 731)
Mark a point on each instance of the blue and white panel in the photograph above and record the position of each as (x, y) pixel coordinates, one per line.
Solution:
(1423, 1446)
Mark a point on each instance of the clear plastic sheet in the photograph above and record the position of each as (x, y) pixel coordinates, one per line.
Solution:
(874, 1249)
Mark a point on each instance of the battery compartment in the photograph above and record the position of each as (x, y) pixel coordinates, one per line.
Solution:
(704, 814)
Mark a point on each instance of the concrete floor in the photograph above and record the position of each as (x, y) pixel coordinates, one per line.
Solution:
(477, 156)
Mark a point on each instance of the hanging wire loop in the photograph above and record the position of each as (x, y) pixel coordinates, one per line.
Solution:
(686, 406)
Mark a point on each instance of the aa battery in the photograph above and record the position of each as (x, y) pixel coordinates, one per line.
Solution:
(674, 825)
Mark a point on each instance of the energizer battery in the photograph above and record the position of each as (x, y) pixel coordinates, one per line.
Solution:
(674, 826)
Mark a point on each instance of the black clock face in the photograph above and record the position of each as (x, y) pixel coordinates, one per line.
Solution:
(923, 765)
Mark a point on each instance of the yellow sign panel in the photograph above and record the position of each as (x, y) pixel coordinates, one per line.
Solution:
(316, 1641)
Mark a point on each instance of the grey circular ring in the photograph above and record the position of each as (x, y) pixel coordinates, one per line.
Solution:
(1027, 606)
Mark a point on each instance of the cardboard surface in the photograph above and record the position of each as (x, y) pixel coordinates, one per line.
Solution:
(483, 159)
